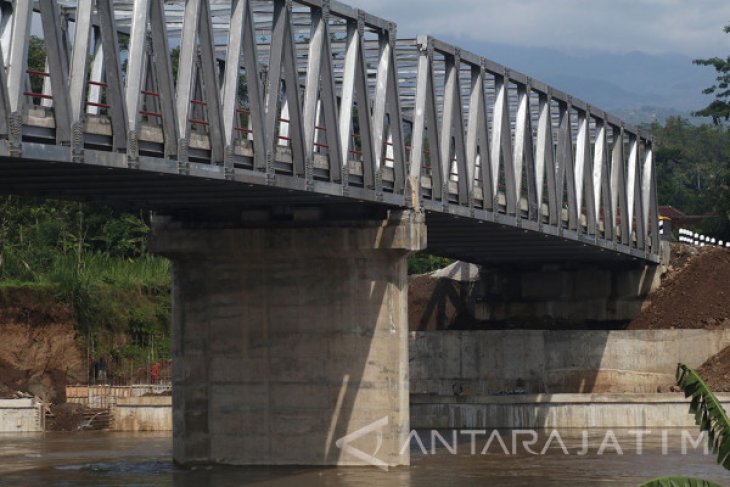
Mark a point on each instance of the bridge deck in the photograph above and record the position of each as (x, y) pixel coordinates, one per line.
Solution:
(485, 238)
(312, 103)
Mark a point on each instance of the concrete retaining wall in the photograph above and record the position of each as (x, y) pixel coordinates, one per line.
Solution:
(469, 363)
(150, 413)
(21, 416)
(583, 411)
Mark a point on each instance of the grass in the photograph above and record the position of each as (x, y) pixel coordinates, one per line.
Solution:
(122, 305)
(145, 272)
(93, 259)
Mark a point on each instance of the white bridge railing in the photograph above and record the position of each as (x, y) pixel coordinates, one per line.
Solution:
(689, 237)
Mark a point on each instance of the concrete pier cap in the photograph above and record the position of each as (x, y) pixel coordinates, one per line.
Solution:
(290, 339)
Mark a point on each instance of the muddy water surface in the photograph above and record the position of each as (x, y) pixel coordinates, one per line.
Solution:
(116, 459)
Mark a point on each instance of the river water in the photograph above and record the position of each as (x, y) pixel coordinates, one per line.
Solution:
(129, 459)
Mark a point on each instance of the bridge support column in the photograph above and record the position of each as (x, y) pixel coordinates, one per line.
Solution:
(287, 339)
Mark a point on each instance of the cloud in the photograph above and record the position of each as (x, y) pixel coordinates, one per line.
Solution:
(654, 26)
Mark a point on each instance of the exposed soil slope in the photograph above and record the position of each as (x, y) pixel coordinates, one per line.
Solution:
(38, 350)
(695, 293)
(716, 371)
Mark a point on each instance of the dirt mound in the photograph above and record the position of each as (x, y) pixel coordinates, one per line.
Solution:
(716, 371)
(681, 255)
(66, 417)
(38, 350)
(695, 293)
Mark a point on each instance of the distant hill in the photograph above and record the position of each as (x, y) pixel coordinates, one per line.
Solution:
(639, 86)
(648, 114)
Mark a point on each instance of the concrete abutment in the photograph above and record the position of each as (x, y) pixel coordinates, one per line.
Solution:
(287, 338)
(562, 294)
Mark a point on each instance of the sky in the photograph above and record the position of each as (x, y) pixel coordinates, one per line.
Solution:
(631, 57)
(690, 27)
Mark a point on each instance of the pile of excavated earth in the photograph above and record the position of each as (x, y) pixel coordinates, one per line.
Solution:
(695, 294)
(716, 371)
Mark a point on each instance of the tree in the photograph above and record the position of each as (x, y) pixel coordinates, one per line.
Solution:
(719, 108)
(693, 171)
(36, 62)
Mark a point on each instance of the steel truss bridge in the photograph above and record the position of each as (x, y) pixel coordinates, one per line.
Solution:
(209, 107)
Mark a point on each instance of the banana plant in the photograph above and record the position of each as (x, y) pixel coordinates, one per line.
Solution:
(711, 417)
(679, 482)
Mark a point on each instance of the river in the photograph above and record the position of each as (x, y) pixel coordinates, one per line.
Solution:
(144, 459)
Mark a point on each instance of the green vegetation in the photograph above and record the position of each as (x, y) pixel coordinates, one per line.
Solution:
(693, 171)
(719, 108)
(693, 163)
(95, 260)
(422, 262)
(710, 417)
(679, 482)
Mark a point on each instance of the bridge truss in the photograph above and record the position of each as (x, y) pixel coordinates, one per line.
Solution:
(201, 104)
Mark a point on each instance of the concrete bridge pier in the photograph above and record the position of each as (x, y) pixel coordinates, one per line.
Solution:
(288, 337)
